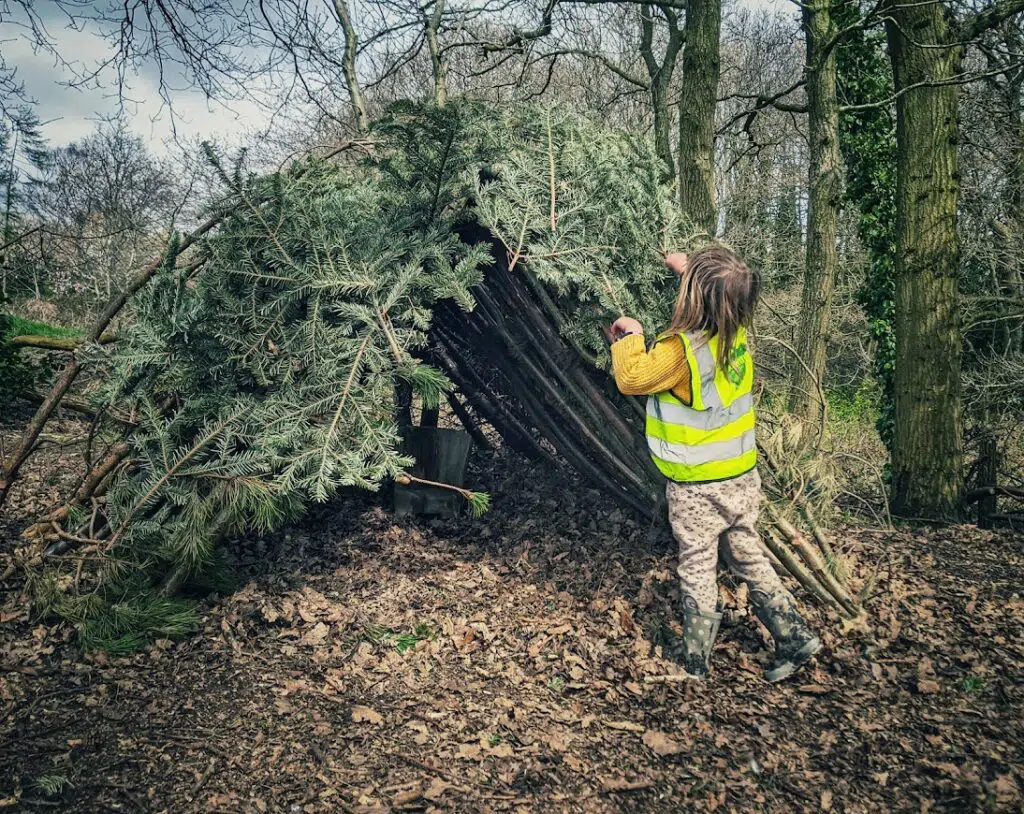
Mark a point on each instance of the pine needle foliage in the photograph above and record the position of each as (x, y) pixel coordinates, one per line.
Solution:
(265, 381)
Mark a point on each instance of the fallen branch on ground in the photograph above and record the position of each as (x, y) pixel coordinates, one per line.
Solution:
(65, 343)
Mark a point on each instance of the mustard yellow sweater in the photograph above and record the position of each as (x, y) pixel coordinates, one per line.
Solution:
(640, 372)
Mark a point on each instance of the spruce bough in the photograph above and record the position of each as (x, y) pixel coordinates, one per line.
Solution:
(261, 376)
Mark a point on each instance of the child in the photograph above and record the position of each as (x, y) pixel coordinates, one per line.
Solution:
(698, 377)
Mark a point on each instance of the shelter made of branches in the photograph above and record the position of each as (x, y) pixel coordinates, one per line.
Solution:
(470, 252)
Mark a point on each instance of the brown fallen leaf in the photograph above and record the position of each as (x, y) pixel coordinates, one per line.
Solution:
(1006, 789)
(621, 784)
(469, 751)
(826, 800)
(813, 689)
(422, 732)
(317, 634)
(627, 726)
(404, 798)
(926, 686)
(660, 743)
(368, 715)
(436, 789)
(559, 741)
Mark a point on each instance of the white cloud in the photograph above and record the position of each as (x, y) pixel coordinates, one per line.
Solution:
(71, 113)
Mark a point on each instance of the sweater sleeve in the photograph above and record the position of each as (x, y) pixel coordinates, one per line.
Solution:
(639, 372)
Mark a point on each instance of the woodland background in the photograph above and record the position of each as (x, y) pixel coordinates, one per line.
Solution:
(787, 147)
(866, 157)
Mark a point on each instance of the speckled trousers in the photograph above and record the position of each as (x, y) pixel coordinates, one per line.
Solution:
(712, 518)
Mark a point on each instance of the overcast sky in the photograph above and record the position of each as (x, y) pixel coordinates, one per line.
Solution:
(69, 113)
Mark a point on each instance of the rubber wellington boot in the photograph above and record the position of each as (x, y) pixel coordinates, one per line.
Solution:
(700, 628)
(795, 644)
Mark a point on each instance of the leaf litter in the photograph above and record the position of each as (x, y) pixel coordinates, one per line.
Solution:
(517, 665)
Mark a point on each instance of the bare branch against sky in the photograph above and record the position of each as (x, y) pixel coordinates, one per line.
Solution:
(186, 69)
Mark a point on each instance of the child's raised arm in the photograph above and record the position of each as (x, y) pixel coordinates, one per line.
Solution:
(639, 372)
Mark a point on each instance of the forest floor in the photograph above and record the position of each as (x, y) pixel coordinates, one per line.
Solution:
(513, 664)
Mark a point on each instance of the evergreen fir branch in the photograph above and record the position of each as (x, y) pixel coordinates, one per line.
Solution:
(317, 296)
(197, 447)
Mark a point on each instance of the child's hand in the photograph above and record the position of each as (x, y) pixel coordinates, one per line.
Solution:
(677, 262)
(623, 326)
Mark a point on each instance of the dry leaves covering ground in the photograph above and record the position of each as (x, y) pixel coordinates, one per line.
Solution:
(513, 664)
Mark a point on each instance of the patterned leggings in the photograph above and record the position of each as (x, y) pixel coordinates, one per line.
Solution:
(708, 518)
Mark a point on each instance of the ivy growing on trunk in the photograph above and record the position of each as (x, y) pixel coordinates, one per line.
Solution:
(868, 144)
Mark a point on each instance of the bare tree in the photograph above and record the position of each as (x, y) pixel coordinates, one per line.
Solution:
(825, 194)
(103, 203)
(698, 95)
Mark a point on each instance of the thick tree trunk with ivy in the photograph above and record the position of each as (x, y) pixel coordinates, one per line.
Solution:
(927, 477)
(868, 144)
(825, 186)
(697, 99)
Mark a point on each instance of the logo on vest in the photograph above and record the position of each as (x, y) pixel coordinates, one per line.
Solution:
(735, 372)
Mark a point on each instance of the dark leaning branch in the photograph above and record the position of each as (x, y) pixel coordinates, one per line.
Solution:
(989, 18)
(993, 491)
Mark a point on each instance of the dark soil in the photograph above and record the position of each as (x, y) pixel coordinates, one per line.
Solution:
(513, 664)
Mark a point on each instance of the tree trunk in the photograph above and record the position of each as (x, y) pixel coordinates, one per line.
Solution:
(825, 190)
(660, 75)
(1013, 266)
(662, 125)
(927, 477)
(348, 58)
(697, 101)
(432, 25)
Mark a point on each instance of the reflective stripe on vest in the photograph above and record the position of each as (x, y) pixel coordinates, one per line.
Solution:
(714, 438)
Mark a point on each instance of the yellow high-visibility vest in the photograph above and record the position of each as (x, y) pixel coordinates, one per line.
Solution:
(712, 438)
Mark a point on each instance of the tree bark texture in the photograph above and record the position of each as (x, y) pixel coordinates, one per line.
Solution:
(660, 75)
(825, 188)
(432, 25)
(348, 59)
(697, 100)
(927, 466)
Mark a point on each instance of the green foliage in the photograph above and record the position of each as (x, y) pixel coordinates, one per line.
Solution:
(861, 404)
(18, 372)
(266, 382)
(868, 144)
(479, 503)
(52, 785)
(403, 642)
(19, 326)
(613, 218)
(408, 641)
(122, 623)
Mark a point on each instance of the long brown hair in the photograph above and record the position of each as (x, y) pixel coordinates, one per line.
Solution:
(717, 295)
